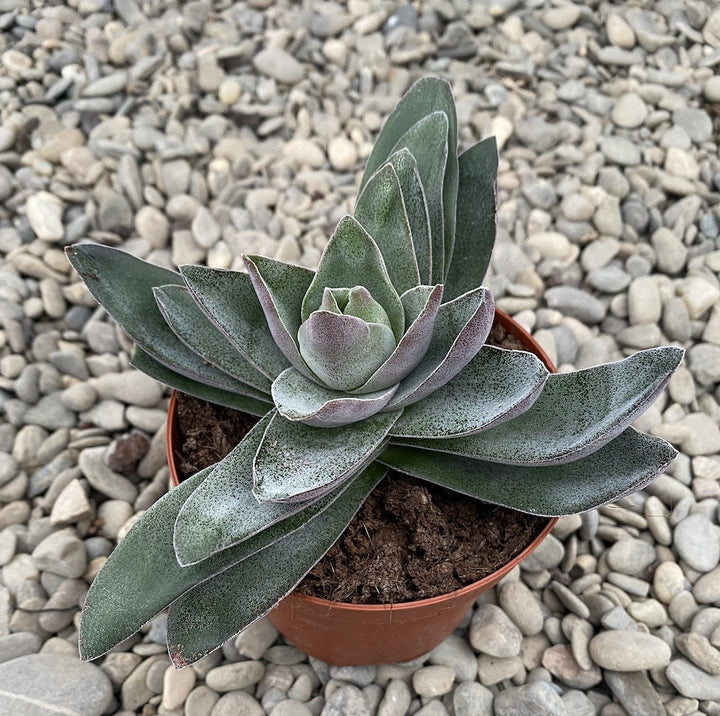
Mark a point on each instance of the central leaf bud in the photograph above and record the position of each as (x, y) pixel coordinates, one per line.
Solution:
(347, 339)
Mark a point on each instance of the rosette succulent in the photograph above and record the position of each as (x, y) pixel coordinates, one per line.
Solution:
(376, 360)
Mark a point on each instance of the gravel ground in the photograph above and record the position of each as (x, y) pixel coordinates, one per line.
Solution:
(193, 132)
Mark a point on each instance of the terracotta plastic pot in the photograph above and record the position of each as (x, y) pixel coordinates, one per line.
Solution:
(354, 634)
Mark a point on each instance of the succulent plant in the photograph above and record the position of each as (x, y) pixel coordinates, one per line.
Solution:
(376, 360)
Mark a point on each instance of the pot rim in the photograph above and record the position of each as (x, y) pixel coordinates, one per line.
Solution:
(530, 344)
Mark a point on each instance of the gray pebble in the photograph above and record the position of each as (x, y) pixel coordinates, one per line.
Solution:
(538, 698)
(54, 681)
(347, 700)
(691, 681)
(696, 541)
(576, 303)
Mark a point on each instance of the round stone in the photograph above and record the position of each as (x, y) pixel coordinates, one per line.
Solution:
(54, 683)
(492, 632)
(279, 64)
(342, 153)
(620, 34)
(431, 681)
(696, 541)
(622, 650)
(630, 556)
(630, 111)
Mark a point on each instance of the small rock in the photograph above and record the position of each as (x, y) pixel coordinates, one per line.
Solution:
(538, 698)
(492, 632)
(279, 65)
(693, 682)
(696, 542)
(621, 650)
(44, 211)
(54, 683)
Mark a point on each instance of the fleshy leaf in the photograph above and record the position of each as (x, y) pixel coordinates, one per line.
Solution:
(416, 208)
(203, 337)
(230, 301)
(420, 317)
(298, 398)
(300, 462)
(222, 511)
(476, 216)
(123, 284)
(622, 466)
(280, 288)
(381, 210)
(142, 577)
(427, 141)
(352, 258)
(576, 414)
(427, 95)
(495, 386)
(208, 615)
(147, 364)
(344, 351)
(461, 328)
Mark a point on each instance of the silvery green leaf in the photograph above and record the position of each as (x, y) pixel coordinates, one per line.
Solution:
(495, 386)
(203, 337)
(123, 284)
(381, 211)
(352, 258)
(147, 364)
(476, 216)
(139, 579)
(344, 351)
(294, 462)
(576, 414)
(208, 615)
(142, 577)
(416, 208)
(280, 288)
(461, 327)
(229, 299)
(223, 512)
(427, 95)
(427, 141)
(622, 466)
(298, 398)
(421, 307)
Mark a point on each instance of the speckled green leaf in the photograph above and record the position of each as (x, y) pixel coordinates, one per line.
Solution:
(381, 210)
(622, 466)
(298, 398)
(205, 617)
(495, 386)
(352, 258)
(147, 364)
(461, 327)
(298, 462)
(416, 209)
(576, 414)
(427, 141)
(427, 95)
(280, 288)
(123, 284)
(223, 512)
(476, 214)
(344, 351)
(421, 307)
(229, 299)
(203, 337)
(142, 577)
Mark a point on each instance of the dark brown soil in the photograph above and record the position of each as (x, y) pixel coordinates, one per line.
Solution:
(410, 540)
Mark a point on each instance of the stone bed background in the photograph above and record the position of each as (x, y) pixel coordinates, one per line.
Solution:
(193, 132)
